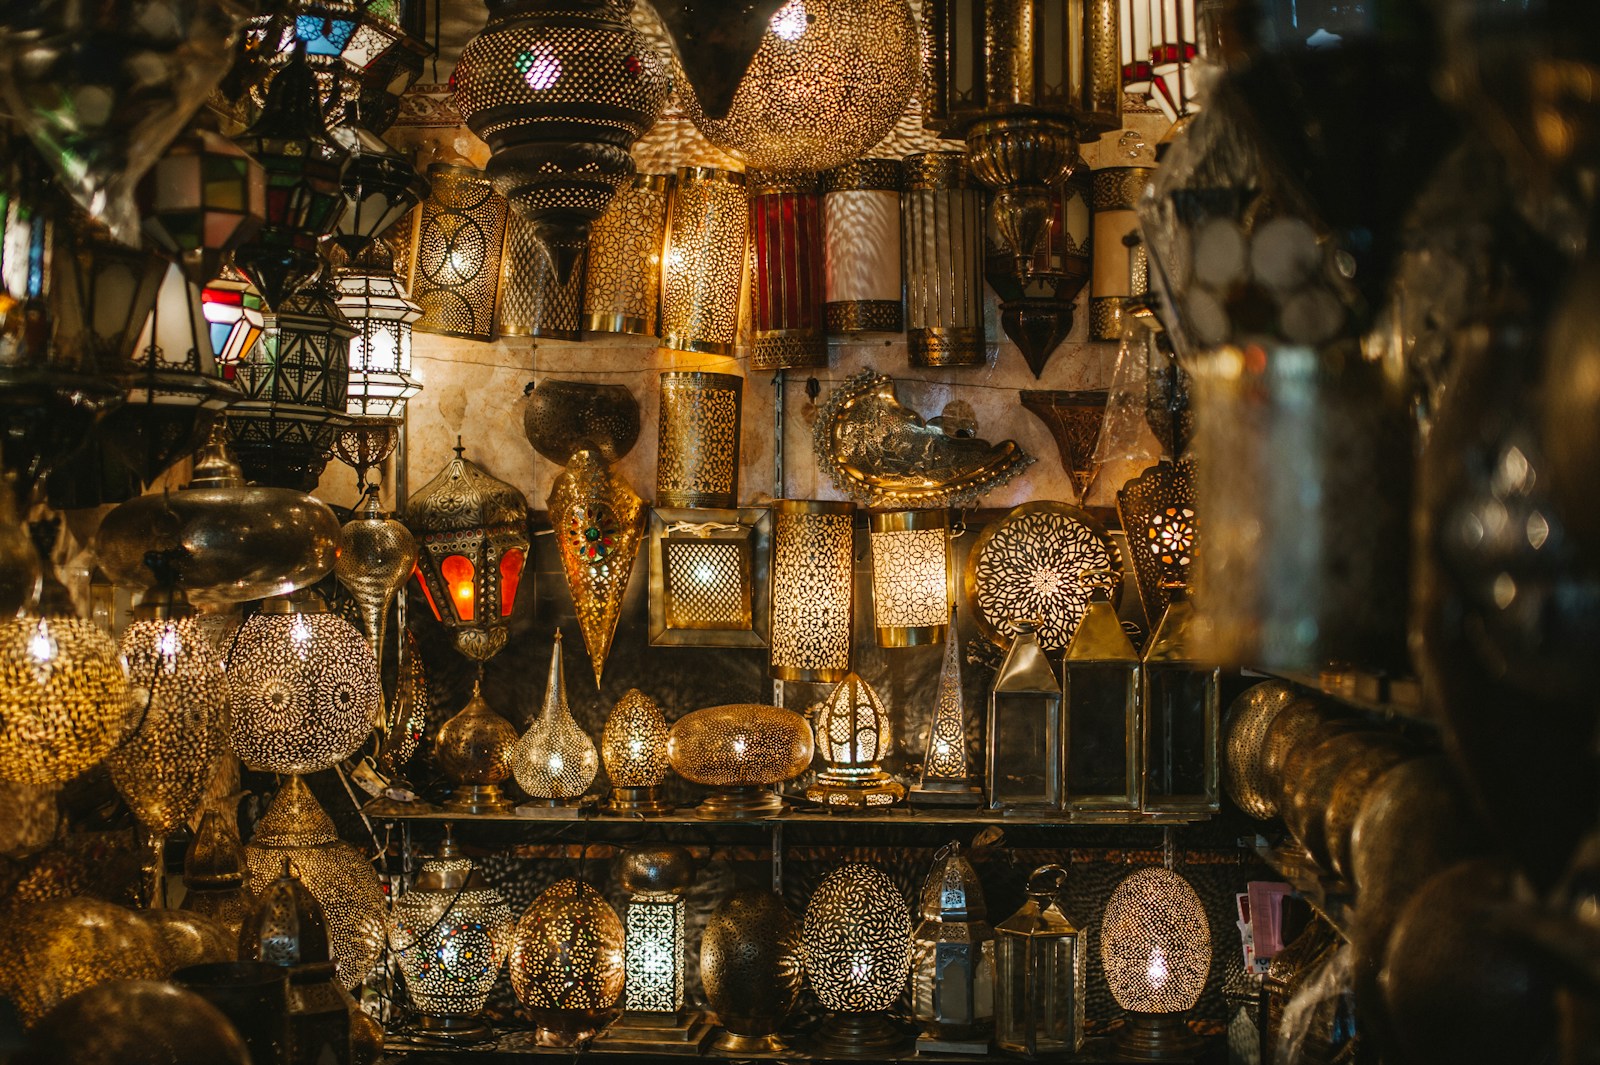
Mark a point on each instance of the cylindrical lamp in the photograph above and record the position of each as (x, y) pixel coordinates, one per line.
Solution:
(533, 300)
(942, 226)
(786, 263)
(1039, 973)
(1024, 734)
(567, 962)
(853, 735)
(862, 281)
(705, 259)
(634, 750)
(812, 582)
(857, 934)
(741, 750)
(1121, 269)
(233, 309)
(455, 253)
(751, 968)
(910, 576)
(1182, 716)
(622, 286)
(1100, 686)
(655, 879)
(697, 454)
(953, 955)
(1155, 945)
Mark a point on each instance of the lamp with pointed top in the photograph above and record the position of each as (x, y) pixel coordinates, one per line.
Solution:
(952, 958)
(1024, 734)
(853, 736)
(1182, 716)
(555, 761)
(1040, 973)
(599, 521)
(214, 871)
(634, 749)
(1102, 752)
(946, 772)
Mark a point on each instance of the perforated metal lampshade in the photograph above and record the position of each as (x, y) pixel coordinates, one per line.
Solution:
(853, 736)
(857, 935)
(567, 962)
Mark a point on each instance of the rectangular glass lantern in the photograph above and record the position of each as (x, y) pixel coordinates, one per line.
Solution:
(1181, 718)
(708, 577)
(1039, 973)
(653, 954)
(1024, 738)
(1100, 683)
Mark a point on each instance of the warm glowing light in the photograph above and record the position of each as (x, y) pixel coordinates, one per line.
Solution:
(539, 66)
(790, 21)
(1157, 969)
(42, 647)
(458, 576)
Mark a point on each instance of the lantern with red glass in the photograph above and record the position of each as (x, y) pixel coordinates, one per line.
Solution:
(786, 290)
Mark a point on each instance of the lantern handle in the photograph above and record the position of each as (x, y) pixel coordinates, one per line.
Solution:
(1055, 874)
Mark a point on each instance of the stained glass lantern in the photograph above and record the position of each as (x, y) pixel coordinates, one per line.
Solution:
(853, 736)
(1100, 685)
(655, 879)
(455, 253)
(828, 81)
(942, 234)
(599, 522)
(66, 698)
(812, 582)
(302, 687)
(567, 962)
(555, 761)
(708, 577)
(946, 773)
(910, 576)
(1121, 266)
(1182, 716)
(202, 199)
(1155, 945)
(380, 186)
(560, 92)
(534, 300)
(1024, 734)
(953, 958)
(702, 275)
(380, 379)
(305, 198)
(740, 750)
(450, 933)
(861, 258)
(296, 388)
(634, 749)
(233, 311)
(752, 970)
(1159, 43)
(697, 445)
(786, 272)
(622, 283)
(1039, 973)
(857, 935)
(1037, 292)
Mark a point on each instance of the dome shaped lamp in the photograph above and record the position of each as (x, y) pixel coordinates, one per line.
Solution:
(857, 935)
(555, 761)
(953, 959)
(567, 963)
(634, 750)
(740, 751)
(751, 968)
(853, 735)
(1155, 944)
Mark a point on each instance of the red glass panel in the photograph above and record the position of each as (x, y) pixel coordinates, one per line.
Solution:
(458, 574)
(421, 583)
(511, 564)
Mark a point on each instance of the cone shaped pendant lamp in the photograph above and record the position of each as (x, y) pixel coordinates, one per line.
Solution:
(599, 522)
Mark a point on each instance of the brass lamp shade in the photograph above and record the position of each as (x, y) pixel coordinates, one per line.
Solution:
(705, 260)
(945, 768)
(66, 697)
(942, 230)
(65, 946)
(555, 761)
(708, 577)
(853, 736)
(697, 453)
(567, 962)
(786, 260)
(861, 263)
(857, 935)
(535, 300)
(812, 584)
(622, 287)
(474, 750)
(751, 968)
(910, 576)
(1120, 270)
(742, 750)
(599, 521)
(634, 749)
(455, 253)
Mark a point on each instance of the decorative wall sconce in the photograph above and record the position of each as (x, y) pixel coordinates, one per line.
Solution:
(812, 584)
(567, 962)
(599, 521)
(203, 198)
(451, 932)
(1100, 685)
(1155, 944)
(828, 80)
(1024, 735)
(910, 576)
(853, 736)
(942, 229)
(953, 959)
(563, 417)
(67, 698)
(946, 774)
(654, 1018)
(455, 253)
(622, 288)
(751, 969)
(1158, 510)
(741, 750)
(233, 309)
(697, 454)
(705, 260)
(786, 264)
(1037, 292)
(1039, 973)
(862, 279)
(1121, 269)
(857, 934)
(1182, 719)
(634, 750)
(1074, 420)
(708, 577)
(534, 302)
(555, 761)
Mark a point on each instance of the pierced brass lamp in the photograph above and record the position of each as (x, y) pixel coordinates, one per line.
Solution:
(741, 750)
(567, 963)
(1155, 944)
(751, 967)
(634, 749)
(953, 959)
(555, 761)
(812, 582)
(946, 772)
(853, 735)
(599, 521)
(857, 935)
(705, 261)
(66, 698)
(910, 576)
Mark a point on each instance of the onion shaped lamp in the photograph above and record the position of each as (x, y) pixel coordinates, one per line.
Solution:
(634, 750)
(567, 963)
(853, 735)
(741, 751)
(1155, 945)
(857, 935)
(953, 959)
(1039, 973)
(555, 761)
(752, 969)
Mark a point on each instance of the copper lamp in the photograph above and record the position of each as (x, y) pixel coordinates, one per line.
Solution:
(567, 962)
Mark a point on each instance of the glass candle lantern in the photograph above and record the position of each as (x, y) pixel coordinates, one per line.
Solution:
(1182, 718)
(1024, 733)
(857, 935)
(910, 576)
(1155, 945)
(534, 301)
(455, 253)
(380, 353)
(634, 749)
(1039, 973)
(697, 452)
(953, 955)
(704, 266)
(1100, 685)
(1120, 269)
(786, 258)
(862, 282)
(812, 582)
(942, 226)
(622, 288)
(853, 735)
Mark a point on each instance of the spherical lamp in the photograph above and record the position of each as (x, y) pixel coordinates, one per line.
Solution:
(1155, 945)
(567, 962)
(65, 697)
(741, 750)
(135, 1022)
(857, 935)
(751, 969)
(852, 730)
(634, 749)
(64, 946)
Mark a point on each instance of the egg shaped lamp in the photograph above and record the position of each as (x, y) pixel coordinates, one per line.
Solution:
(857, 935)
(567, 963)
(741, 750)
(633, 748)
(852, 737)
(752, 969)
(1155, 945)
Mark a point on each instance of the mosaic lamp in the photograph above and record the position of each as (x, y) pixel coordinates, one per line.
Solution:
(555, 761)
(634, 750)
(853, 735)
(953, 957)
(741, 751)
(450, 933)
(202, 199)
(567, 963)
(599, 522)
(66, 698)
(233, 311)
(1039, 973)
(752, 969)
(1155, 945)
(857, 935)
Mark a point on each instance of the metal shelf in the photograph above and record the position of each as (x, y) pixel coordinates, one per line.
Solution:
(1379, 694)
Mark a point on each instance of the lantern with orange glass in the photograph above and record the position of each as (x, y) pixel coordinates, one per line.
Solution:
(472, 538)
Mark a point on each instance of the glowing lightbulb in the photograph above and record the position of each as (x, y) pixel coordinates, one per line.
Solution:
(790, 21)
(556, 763)
(42, 646)
(1157, 970)
(300, 632)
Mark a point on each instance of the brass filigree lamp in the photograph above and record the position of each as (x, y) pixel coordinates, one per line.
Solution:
(911, 590)
(741, 750)
(622, 283)
(534, 301)
(634, 749)
(377, 555)
(599, 521)
(1155, 944)
(567, 962)
(555, 760)
(812, 581)
(705, 260)
(654, 1017)
(456, 247)
(751, 967)
(947, 776)
(697, 449)
(852, 736)
(857, 935)
(214, 871)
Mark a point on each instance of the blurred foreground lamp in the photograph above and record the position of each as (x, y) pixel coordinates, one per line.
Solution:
(857, 934)
(1024, 734)
(455, 253)
(1182, 716)
(942, 235)
(1037, 293)
(1039, 973)
(1121, 267)
(910, 576)
(786, 273)
(812, 581)
(202, 199)
(622, 286)
(380, 379)
(853, 735)
(705, 260)
(567, 963)
(555, 761)
(288, 928)
(741, 750)
(953, 959)
(708, 576)
(101, 294)
(66, 698)
(1100, 683)
(1155, 945)
(634, 749)
(533, 300)
(214, 871)
(697, 452)
(946, 775)
(861, 258)
(451, 932)
(655, 878)
(233, 310)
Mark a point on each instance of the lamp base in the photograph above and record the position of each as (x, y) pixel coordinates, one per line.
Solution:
(934, 1044)
(855, 796)
(963, 793)
(645, 802)
(741, 803)
(461, 1030)
(858, 1035)
(686, 1032)
(478, 799)
(734, 1043)
(1155, 1037)
(551, 808)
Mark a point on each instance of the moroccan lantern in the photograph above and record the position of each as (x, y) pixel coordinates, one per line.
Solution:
(567, 962)
(953, 956)
(380, 381)
(857, 934)
(233, 310)
(634, 749)
(852, 736)
(380, 186)
(202, 199)
(599, 521)
(555, 761)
